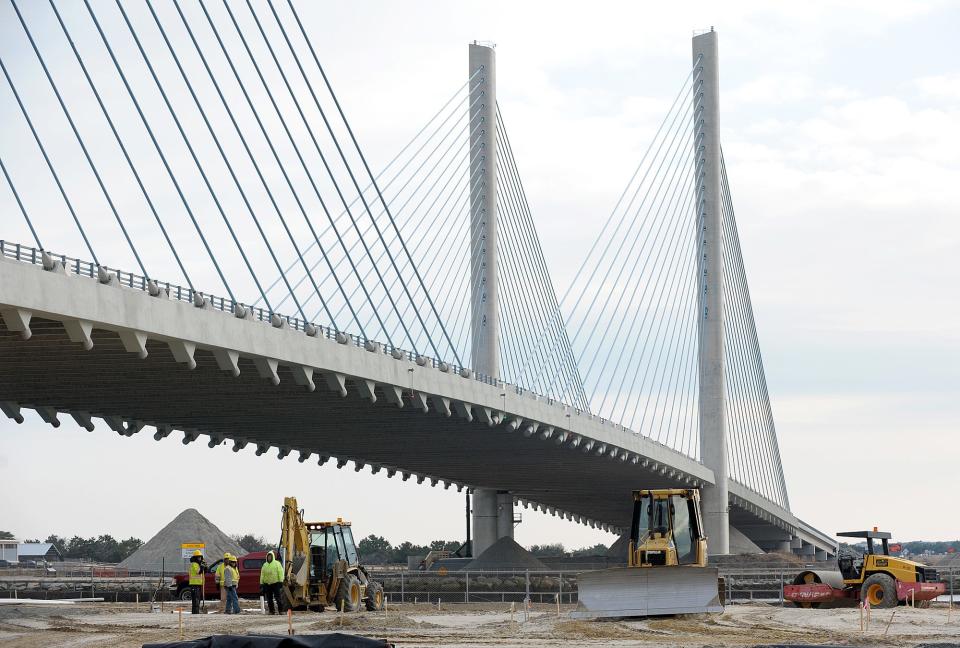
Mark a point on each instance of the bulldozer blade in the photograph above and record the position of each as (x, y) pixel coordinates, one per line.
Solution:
(647, 591)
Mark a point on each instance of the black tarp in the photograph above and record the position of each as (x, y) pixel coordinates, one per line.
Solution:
(332, 640)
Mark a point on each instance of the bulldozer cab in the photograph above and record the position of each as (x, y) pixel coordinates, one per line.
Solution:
(666, 529)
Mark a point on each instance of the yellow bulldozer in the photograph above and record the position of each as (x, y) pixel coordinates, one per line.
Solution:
(322, 565)
(666, 570)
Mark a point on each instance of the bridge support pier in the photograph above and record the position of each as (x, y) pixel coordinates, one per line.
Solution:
(784, 546)
(713, 428)
(492, 518)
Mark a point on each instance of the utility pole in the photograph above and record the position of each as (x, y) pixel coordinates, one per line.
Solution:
(484, 298)
(713, 428)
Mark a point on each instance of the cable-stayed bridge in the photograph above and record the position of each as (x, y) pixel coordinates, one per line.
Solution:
(202, 246)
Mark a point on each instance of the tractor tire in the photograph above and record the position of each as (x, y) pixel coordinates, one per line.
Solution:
(375, 598)
(348, 594)
(880, 590)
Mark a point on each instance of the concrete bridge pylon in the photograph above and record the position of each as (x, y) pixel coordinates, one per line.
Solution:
(491, 508)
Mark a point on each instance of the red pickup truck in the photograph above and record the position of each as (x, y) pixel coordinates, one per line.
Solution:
(249, 566)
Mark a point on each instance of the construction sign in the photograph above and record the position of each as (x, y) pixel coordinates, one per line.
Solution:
(187, 549)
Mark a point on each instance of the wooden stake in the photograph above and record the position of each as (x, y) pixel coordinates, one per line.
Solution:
(558, 606)
(513, 607)
(889, 622)
(860, 605)
(180, 621)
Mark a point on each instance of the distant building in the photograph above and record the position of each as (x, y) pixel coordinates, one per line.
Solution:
(38, 551)
(8, 550)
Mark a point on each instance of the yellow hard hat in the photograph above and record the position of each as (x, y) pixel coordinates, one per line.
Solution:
(227, 556)
(196, 552)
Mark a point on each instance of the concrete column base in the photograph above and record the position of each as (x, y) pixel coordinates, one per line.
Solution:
(784, 547)
(504, 515)
(484, 519)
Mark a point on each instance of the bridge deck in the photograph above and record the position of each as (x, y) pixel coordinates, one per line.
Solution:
(493, 436)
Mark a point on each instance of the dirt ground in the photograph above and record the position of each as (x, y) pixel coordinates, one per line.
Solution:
(484, 625)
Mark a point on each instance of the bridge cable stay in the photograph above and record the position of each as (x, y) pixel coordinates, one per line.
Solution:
(270, 144)
(46, 158)
(385, 184)
(120, 143)
(546, 309)
(630, 309)
(659, 162)
(448, 182)
(683, 92)
(353, 179)
(529, 306)
(217, 143)
(653, 241)
(661, 241)
(433, 177)
(162, 156)
(79, 138)
(23, 210)
(747, 383)
(186, 140)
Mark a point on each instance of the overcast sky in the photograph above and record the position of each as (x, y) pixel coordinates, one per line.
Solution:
(841, 130)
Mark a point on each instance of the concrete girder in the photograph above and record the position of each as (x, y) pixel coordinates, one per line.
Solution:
(227, 360)
(304, 455)
(393, 394)
(420, 400)
(189, 436)
(261, 449)
(83, 419)
(12, 410)
(547, 433)
(239, 444)
(322, 459)
(337, 382)
(163, 431)
(283, 452)
(341, 462)
(134, 342)
(183, 352)
(18, 320)
(464, 410)
(442, 405)
(267, 368)
(358, 465)
(303, 376)
(49, 416)
(79, 331)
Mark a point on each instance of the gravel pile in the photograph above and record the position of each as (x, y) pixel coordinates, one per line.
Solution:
(164, 548)
(506, 555)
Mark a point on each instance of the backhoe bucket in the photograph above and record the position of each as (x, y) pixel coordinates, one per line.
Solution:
(647, 591)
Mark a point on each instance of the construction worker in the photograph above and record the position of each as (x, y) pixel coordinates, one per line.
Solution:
(271, 583)
(218, 577)
(231, 579)
(197, 567)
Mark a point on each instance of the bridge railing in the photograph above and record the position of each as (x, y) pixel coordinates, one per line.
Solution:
(19, 252)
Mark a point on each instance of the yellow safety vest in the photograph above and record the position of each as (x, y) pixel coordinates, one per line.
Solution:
(196, 576)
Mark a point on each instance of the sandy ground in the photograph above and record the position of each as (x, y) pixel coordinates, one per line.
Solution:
(463, 626)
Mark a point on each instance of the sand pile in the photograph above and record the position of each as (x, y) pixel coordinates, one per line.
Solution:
(506, 555)
(164, 548)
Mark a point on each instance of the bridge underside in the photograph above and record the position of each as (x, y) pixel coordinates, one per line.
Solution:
(50, 371)
(280, 390)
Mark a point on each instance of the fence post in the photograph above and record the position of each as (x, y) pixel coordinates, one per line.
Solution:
(466, 595)
(402, 600)
(560, 592)
(527, 573)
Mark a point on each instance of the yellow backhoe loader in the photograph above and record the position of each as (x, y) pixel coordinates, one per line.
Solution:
(666, 570)
(322, 566)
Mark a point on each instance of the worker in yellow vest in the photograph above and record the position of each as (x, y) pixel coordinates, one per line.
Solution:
(271, 583)
(197, 567)
(218, 577)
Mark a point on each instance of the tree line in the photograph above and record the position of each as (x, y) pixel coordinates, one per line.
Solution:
(377, 550)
